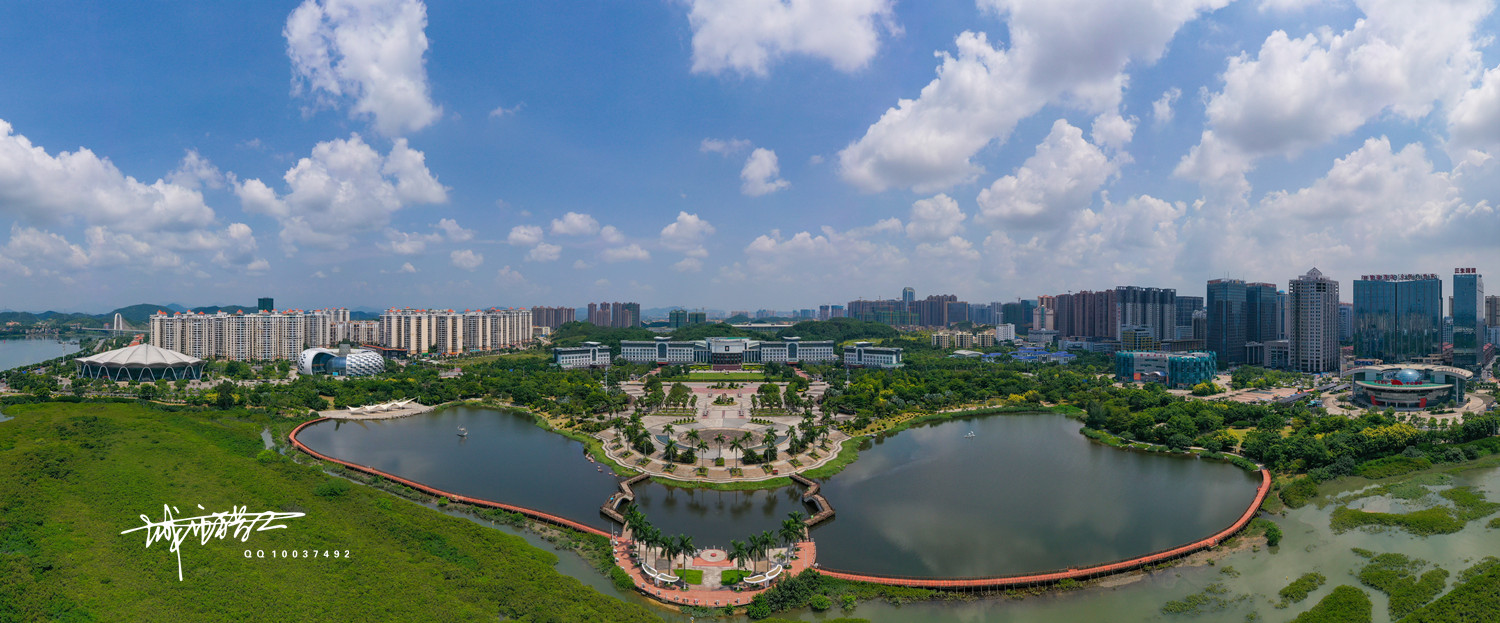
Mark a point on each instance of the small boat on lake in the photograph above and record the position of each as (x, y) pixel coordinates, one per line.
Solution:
(970, 435)
(463, 432)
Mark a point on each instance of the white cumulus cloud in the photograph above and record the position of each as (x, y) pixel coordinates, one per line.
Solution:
(367, 54)
(466, 259)
(345, 187)
(935, 218)
(628, 253)
(1071, 52)
(746, 36)
(762, 174)
(575, 224)
(524, 235)
(1059, 179)
(544, 252)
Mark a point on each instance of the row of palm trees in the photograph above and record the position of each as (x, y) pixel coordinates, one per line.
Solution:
(758, 546)
(652, 539)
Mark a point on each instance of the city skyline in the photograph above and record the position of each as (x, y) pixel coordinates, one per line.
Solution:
(400, 153)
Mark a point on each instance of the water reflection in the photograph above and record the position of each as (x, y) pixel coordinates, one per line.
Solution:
(1027, 493)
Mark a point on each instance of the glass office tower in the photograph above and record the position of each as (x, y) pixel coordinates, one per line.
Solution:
(1226, 321)
(1468, 319)
(1398, 318)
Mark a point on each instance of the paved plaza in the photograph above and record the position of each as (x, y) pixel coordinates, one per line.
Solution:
(731, 421)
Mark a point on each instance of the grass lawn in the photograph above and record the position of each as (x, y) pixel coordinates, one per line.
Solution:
(691, 576)
(730, 577)
(79, 474)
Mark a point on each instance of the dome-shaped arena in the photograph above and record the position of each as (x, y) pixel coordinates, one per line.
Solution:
(142, 362)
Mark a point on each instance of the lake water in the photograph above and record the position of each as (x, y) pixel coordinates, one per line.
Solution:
(506, 458)
(24, 352)
(1027, 493)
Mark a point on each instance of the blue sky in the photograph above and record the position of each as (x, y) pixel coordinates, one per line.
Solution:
(734, 154)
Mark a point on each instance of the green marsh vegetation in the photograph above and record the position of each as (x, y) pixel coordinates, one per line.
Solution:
(1475, 598)
(1345, 604)
(79, 474)
(1213, 598)
(1403, 580)
(1299, 589)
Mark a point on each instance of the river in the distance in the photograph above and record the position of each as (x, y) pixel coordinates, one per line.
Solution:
(1026, 493)
(15, 353)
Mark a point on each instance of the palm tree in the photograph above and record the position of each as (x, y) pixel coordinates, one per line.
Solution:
(739, 450)
(669, 451)
(694, 436)
(667, 430)
(719, 439)
(738, 553)
(769, 540)
(702, 447)
(790, 533)
(684, 547)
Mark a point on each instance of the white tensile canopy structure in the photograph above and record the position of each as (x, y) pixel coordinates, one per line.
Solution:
(142, 362)
(380, 408)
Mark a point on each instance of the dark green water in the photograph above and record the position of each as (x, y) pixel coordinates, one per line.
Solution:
(1027, 493)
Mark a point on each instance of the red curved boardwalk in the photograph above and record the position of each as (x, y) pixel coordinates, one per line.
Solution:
(534, 514)
(1069, 574)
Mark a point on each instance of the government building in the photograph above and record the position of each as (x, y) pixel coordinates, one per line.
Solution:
(726, 352)
(866, 355)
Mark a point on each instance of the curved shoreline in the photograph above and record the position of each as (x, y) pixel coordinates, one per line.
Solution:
(1085, 573)
(453, 497)
(992, 582)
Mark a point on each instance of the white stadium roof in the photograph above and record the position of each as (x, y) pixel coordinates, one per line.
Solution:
(142, 356)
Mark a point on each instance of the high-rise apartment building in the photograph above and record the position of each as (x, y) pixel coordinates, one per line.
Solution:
(908, 295)
(448, 332)
(260, 336)
(699, 317)
(1469, 334)
(676, 318)
(1314, 303)
(1086, 314)
(1398, 317)
(552, 317)
(266, 304)
(1153, 308)
(1492, 311)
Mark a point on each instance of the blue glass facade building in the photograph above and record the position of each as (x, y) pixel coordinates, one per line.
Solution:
(1226, 321)
(1398, 317)
(1469, 331)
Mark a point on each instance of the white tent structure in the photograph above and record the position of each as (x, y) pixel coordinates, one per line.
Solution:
(142, 362)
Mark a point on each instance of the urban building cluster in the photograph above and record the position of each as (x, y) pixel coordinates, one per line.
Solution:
(270, 334)
(679, 318)
(449, 332)
(264, 335)
(617, 315)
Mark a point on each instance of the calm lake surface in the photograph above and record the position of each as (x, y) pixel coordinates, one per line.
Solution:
(506, 458)
(1027, 493)
(24, 352)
